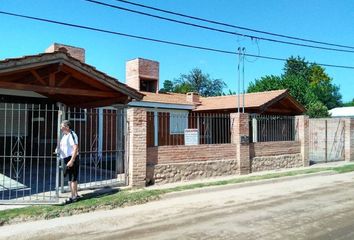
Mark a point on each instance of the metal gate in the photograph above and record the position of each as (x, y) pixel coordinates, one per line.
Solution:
(326, 140)
(102, 138)
(30, 171)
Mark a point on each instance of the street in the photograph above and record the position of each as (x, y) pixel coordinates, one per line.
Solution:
(313, 207)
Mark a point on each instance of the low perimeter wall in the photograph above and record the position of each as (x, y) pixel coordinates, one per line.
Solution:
(275, 155)
(167, 164)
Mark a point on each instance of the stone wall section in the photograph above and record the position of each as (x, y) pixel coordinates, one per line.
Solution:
(176, 172)
(266, 163)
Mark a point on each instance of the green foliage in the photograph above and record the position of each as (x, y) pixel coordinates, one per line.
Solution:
(167, 86)
(317, 110)
(349, 104)
(230, 92)
(297, 67)
(307, 82)
(195, 81)
(266, 83)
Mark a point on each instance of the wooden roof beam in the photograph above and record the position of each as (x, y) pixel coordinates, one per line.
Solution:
(56, 90)
(38, 78)
(103, 102)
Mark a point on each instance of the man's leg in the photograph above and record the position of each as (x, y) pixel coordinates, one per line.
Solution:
(74, 189)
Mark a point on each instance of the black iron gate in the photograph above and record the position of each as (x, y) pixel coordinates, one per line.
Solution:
(30, 171)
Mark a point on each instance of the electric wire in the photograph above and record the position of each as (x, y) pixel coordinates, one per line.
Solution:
(219, 30)
(235, 26)
(156, 40)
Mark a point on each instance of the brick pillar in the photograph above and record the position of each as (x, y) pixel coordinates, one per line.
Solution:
(137, 146)
(349, 140)
(303, 134)
(240, 137)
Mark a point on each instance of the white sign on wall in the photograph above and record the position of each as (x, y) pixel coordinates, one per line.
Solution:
(191, 136)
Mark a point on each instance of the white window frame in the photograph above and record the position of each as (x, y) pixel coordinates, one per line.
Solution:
(179, 119)
(84, 119)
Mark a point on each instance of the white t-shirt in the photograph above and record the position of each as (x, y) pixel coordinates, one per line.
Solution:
(66, 144)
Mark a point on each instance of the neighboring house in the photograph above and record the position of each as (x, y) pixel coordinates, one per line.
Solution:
(174, 112)
(342, 112)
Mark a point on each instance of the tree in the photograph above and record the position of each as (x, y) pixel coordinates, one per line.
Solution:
(196, 81)
(349, 104)
(307, 82)
(319, 81)
(266, 83)
(167, 86)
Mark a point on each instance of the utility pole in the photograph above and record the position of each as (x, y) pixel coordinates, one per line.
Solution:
(243, 79)
(241, 64)
(239, 80)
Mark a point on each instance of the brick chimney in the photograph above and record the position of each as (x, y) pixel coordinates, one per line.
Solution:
(75, 52)
(193, 97)
(142, 75)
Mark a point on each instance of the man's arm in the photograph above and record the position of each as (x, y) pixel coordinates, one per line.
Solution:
(73, 155)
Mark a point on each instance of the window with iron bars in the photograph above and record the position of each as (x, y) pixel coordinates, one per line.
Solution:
(264, 128)
(168, 128)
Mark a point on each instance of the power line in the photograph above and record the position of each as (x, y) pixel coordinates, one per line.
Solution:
(218, 30)
(156, 40)
(235, 26)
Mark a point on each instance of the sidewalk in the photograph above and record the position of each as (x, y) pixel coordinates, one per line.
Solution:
(222, 178)
(216, 179)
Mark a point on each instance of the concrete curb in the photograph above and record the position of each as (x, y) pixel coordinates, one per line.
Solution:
(244, 184)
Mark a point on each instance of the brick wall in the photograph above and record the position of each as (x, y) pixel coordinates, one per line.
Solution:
(182, 154)
(274, 148)
(275, 155)
(137, 146)
(138, 69)
(75, 52)
(166, 164)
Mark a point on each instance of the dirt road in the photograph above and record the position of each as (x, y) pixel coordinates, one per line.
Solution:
(318, 207)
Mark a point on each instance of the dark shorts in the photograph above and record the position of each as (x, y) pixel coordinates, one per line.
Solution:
(72, 172)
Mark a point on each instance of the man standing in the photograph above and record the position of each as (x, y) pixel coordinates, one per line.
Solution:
(69, 149)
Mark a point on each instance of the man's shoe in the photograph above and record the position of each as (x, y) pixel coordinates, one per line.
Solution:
(69, 200)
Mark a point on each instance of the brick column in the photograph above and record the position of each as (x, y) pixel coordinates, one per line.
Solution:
(240, 137)
(349, 140)
(137, 146)
(302, 127)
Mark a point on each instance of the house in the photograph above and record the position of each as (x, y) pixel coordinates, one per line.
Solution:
(37, 92)
(60, 75)
(169, 114)
(342, 112)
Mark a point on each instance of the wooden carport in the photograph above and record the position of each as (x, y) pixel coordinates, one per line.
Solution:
(62, 78)
(29, 125)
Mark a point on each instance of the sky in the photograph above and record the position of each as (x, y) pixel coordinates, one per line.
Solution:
(322, 20)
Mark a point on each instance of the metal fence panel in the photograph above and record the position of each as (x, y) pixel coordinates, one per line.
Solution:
(168, 128)
(101, 133)
(28, 169)
(31, 172)
(264, 128)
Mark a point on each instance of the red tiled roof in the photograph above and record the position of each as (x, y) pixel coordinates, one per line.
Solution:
(170, 98)
(252, 100)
